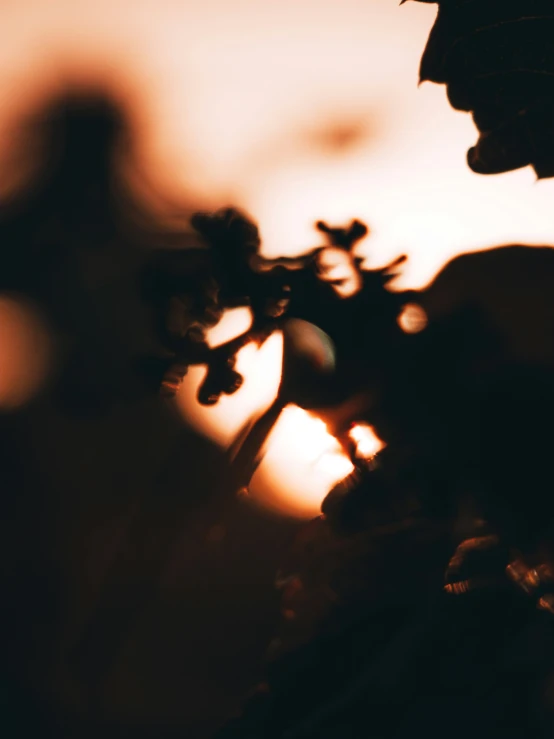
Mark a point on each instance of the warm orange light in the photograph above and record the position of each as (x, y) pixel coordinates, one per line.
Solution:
(232, 323)
(261, 369)
(413, 319)
(221, 115)
(302, 462)
(24, 351)
(367, 442)
(335, 265)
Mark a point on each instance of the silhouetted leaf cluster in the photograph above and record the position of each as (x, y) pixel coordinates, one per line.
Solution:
(191, 289)
(497, 60)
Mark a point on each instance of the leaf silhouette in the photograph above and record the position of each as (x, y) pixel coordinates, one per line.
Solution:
(496, 58)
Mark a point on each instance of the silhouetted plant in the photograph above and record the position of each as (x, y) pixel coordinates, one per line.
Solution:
(497, 61)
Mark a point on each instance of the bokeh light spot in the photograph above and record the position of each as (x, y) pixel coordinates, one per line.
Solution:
(413, 319)
(25, 351)
(366, 440)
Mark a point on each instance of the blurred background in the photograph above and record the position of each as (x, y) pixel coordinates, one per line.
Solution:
(137, 594)
(294, 110)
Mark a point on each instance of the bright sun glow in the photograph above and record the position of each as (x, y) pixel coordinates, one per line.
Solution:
(222, 115)
(261, 369)
(302, 460)
(367, 443)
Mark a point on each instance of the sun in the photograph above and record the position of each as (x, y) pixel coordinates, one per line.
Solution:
(302, 460)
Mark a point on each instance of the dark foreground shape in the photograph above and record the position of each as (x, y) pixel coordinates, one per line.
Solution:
(497, 61)
(423, 602)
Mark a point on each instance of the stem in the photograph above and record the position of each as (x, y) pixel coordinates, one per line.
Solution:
(248, 456)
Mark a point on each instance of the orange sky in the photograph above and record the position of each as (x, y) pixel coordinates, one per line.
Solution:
(233, 100)
(241, 100)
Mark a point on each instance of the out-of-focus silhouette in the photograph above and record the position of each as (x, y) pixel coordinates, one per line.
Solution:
(139, 583)
(124, 611)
